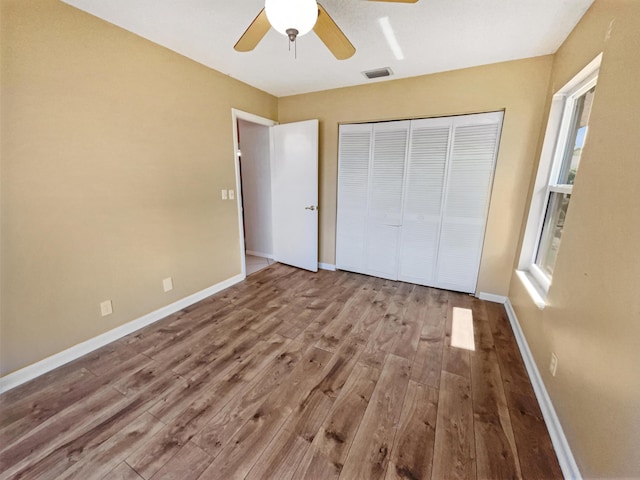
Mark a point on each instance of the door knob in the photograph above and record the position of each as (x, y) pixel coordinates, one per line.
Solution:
(312, 207)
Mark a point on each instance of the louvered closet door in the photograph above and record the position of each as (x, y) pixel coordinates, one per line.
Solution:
(468, 190)
(353, 179)
(386, 184)
(424, 189)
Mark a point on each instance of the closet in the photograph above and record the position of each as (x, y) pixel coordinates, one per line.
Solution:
(413, 198)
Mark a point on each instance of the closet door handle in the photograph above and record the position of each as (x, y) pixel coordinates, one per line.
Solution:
(311, 207)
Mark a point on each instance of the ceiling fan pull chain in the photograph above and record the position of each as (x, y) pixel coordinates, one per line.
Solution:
(292, 33)
(295, 47)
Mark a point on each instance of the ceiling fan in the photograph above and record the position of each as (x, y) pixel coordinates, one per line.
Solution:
(295, 18)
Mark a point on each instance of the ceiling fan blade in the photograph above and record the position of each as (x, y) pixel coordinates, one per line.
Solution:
(396, 1)
(252, 35)
(332, 36)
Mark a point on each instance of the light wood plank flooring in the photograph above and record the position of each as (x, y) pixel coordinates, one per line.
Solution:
(289, 375)
(255, 264)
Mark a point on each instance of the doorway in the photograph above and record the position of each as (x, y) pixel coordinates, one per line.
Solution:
(277, 184)
(253, 176)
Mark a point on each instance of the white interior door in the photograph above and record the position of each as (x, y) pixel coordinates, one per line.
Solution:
(466, 201)
(384, 217)
(425, 186)
(424, 189)
(354, 157)
(294, 194)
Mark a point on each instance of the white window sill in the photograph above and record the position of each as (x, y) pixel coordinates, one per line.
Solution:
(534, 290)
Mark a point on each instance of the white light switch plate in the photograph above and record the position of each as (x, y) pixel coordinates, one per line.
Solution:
(224, 194)
(167, 284)
(232, 195)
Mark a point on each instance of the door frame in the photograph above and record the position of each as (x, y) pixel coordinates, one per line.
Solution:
(249, 117)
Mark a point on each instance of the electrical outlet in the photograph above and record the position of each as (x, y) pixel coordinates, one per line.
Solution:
(167, 284)
(553, 366)
(232, 195)
(106, 308)
(224, 194)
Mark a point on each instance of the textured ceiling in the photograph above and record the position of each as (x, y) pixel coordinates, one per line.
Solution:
(433, 35)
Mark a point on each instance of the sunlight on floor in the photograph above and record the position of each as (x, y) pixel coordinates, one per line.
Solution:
(462, 329)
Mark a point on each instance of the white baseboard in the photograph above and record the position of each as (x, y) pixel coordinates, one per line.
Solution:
(327, 266)
(563, 451)
(490, 297)
(260, 254)
(43, 366)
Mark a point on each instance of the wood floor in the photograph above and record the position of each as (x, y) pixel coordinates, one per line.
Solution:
(289, 375)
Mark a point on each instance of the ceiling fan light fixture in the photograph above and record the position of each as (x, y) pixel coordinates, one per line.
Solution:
(287, 15)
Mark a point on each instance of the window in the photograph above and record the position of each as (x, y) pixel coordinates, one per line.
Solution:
(561, 152)
(562, 177)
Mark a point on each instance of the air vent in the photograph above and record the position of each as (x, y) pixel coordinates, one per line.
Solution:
(380, 72)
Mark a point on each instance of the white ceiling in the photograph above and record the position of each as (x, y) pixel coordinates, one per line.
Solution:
(434, 35)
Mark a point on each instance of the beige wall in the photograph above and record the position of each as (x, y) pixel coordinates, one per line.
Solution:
(592, 320)
(114, 151)
(519, 87)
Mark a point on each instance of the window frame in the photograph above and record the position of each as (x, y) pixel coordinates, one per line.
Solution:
(552, 156)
